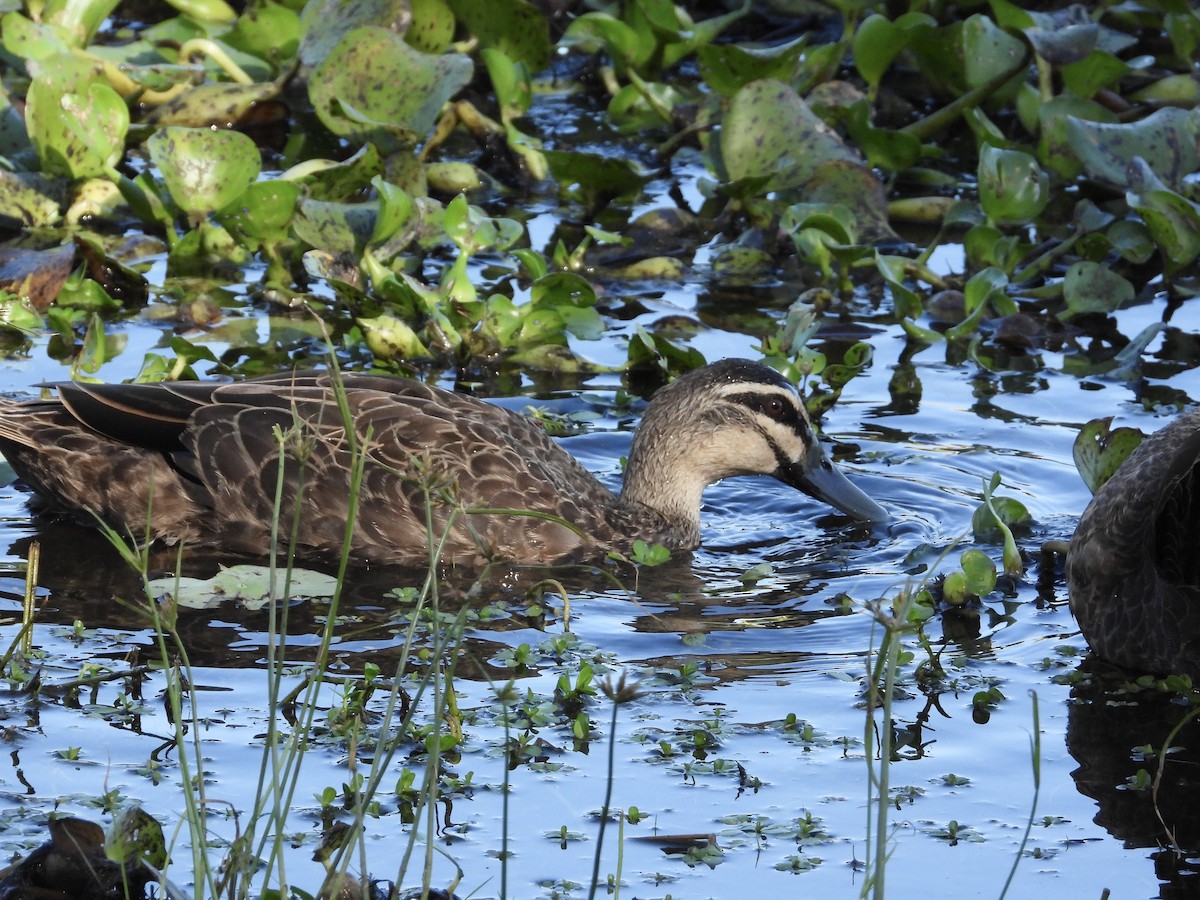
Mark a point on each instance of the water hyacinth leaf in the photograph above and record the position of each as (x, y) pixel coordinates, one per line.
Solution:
(325, 22)
(204, 170)
(1065, 42)
(216, 11)
(885, 148)
(374, 86)
(18, 313)
(979, 572)
(994, 520)
(643, 106)
(954, 589)
(595, 174)
(262, 212)
(1090, 287)
(726, 68)
(681, 34)
(1132, 240)
(647, 350)
(249, 585)
(66, 109)
(629, 48)
(336, 227)
(432, 26)
(98, 120)
(770, 133)
(1167, 140)
(988, 51)
(850, 184)
(1174, 224)
(80, 19)
(217, 105)
(515, 27)
(563, 289)
(1099, 450)
(28, 40)
(30, 198)
(266, 30)
(988, 288)
(878, 41)
(1054, 132)
(1012, 186)
(1095, 72)
(511, 82)
(1173, 90)
(326, 179)
(395, 210)
(390, 338)
(135, 835)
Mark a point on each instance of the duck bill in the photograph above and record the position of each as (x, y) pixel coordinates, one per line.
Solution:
(817, 477)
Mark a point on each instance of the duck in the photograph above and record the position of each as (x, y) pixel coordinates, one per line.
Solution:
(203, 462)
(1133, 565)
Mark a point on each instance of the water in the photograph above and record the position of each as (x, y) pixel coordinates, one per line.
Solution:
(795, 642)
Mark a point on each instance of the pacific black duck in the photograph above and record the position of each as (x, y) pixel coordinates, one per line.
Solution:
(1133, 567)
(203, 459)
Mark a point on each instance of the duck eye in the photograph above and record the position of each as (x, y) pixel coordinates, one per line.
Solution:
(775, 408)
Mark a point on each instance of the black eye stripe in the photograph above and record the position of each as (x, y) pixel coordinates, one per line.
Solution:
(772, 405)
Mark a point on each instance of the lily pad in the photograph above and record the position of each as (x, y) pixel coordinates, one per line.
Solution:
(250, 585)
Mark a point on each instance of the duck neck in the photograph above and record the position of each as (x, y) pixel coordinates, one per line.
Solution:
(658, 478)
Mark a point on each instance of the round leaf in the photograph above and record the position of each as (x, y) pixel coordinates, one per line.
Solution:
(204, 170)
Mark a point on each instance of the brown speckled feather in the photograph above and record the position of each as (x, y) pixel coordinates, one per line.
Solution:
(1133, 569)
(205, 458)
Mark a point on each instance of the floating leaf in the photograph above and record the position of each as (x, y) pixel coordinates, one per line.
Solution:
(1100, 449)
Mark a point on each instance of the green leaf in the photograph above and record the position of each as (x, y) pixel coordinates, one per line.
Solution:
(1167, 140)
(76, 124)
(769, 132)
(204, 170)
(1012, 186)
(375, 87)
(516, 28)
(1173, 222)
(1099, 450)
(1090, 287)
(979, 572)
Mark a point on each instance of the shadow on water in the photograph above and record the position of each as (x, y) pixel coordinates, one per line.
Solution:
(1116, 737)
(82, 578)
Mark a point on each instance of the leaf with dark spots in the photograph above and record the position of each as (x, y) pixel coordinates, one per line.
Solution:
(36, 274)
(375, 87)
(1168, 140)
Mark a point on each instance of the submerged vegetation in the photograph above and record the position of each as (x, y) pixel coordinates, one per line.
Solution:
(485, 188)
